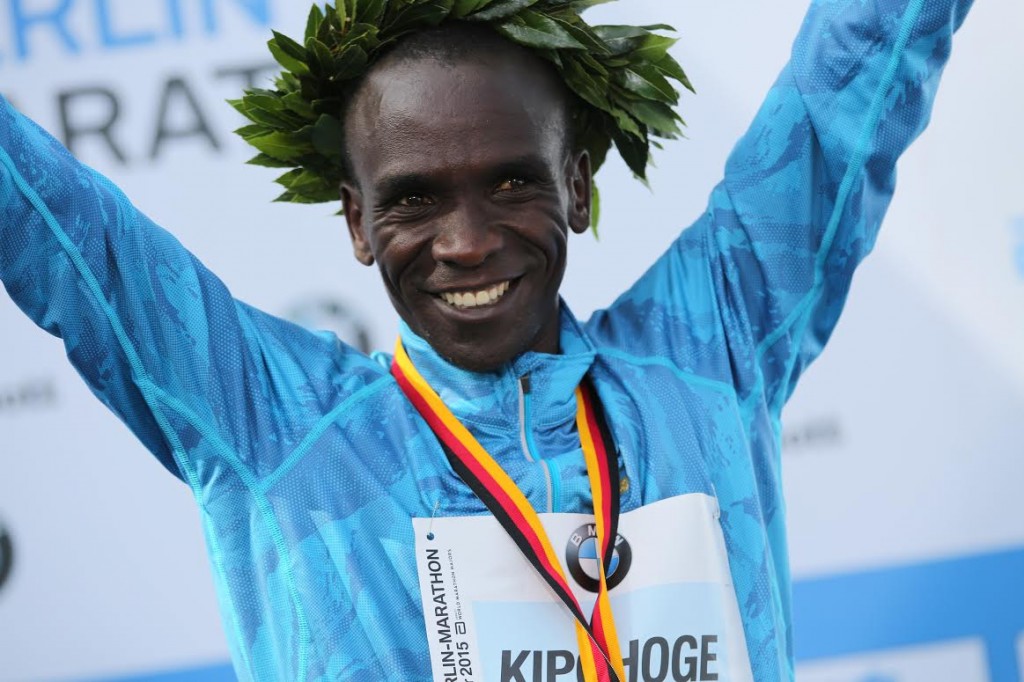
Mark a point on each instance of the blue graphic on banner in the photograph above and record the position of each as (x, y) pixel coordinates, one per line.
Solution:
(214, 673)
(108, 28)
(973, 597)
(980, 597)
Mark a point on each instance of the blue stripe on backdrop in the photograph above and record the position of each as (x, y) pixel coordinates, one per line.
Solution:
(214, 673)
(971, 597)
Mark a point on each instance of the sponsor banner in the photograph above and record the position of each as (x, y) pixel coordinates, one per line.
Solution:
(902, 445)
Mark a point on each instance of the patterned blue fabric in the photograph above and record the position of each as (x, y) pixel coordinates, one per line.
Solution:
(306, 460)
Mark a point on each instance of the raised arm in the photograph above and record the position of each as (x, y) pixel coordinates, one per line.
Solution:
(765, 271)
(156, 336)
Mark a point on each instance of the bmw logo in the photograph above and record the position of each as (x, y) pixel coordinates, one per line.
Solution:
(584, 564)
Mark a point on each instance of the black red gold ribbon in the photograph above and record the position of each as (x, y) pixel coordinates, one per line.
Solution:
(600, 654)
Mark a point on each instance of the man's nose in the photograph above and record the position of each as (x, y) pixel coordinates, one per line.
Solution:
(466, 237)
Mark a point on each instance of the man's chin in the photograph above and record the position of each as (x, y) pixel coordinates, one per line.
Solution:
(489, 347)
(478, 359)
(488, 342)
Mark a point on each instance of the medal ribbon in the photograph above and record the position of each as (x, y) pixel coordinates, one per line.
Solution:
(600, 655)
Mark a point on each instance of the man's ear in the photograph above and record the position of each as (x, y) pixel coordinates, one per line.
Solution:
(352, 205)
(580, 188)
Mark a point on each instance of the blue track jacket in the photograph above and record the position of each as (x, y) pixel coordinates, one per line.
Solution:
(308, 463)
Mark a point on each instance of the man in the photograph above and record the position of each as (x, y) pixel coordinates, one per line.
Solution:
(358, 512)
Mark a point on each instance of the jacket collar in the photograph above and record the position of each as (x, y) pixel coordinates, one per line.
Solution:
(492, 399)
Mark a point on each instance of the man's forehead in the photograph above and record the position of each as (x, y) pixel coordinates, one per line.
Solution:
(456, 149)
(474, 111)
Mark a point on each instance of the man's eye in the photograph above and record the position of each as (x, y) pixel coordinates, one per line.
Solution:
(511, 185)
(414, 201)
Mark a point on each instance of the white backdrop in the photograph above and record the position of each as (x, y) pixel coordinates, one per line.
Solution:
(904, 444)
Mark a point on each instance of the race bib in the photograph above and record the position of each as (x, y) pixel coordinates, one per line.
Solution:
(491, 618)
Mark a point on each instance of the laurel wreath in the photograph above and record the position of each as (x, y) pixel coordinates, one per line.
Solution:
(622, 75)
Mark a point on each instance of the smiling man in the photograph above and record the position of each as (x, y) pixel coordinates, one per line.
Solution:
(465, 182)
(514, 494)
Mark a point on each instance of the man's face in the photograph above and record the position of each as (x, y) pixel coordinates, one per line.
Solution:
(464, 194)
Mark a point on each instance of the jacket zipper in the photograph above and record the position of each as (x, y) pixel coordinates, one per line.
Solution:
(526, 440)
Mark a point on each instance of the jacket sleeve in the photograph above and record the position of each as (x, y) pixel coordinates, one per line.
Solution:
(765, 271)
(155, 335)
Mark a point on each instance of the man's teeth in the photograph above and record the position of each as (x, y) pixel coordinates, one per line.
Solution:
(473, 299)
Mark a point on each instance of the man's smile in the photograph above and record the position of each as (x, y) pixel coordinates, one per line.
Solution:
(477, 297)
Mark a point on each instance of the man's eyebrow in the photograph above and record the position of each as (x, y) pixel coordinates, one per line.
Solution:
(528, 163)
(399, 183)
